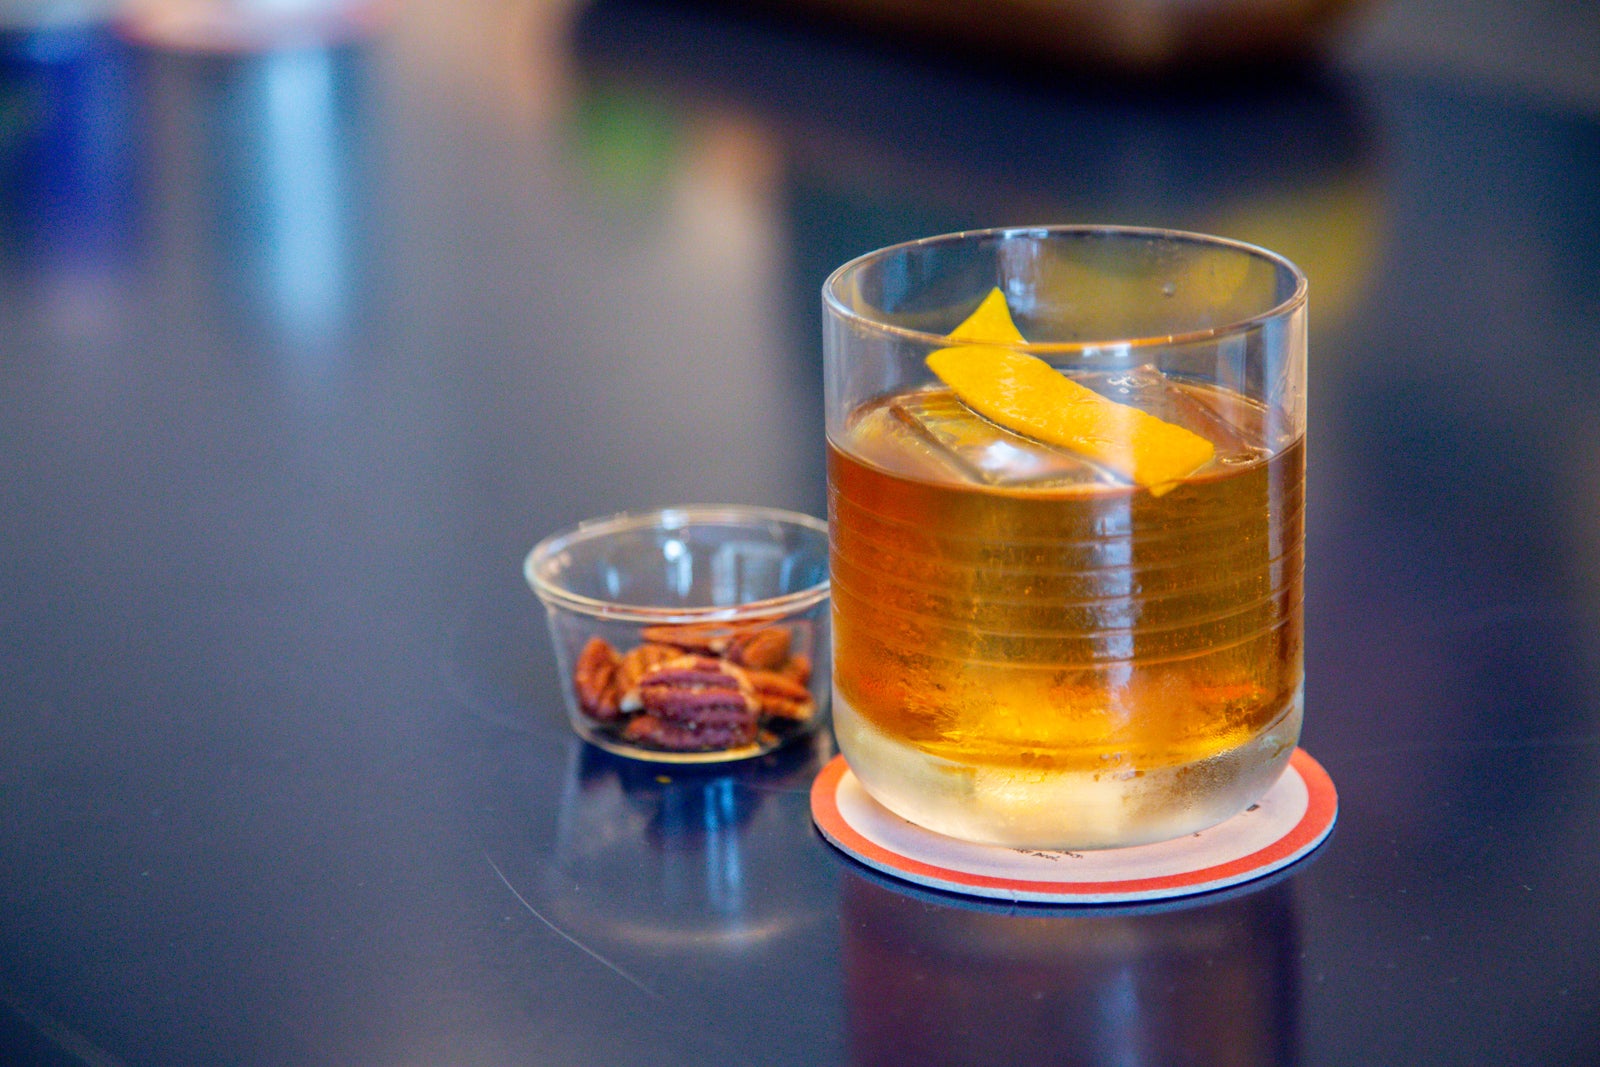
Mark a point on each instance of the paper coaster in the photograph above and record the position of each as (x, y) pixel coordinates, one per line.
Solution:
(1294, 817)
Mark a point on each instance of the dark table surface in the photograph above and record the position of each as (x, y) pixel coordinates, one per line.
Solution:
(301, 352)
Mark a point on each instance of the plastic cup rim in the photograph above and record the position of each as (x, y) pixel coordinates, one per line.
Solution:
(555, 595)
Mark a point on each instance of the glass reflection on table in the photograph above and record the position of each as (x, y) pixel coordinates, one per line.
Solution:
(932, 978)
(688, 886)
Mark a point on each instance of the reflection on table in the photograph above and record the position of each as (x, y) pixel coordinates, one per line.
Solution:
(690, 829)
(932, 978)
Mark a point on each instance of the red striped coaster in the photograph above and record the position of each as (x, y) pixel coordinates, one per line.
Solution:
(1295, 816)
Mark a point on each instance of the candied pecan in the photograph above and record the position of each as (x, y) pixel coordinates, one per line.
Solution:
(703, 695)
(678, 737)
(635, 665)
(641, 729)
(692, 687)
(765, 649)
(782, 697)
(594, 678)
(690, 637)
(798, 668)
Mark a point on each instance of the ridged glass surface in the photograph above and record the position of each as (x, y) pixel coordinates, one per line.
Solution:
(1055, 622)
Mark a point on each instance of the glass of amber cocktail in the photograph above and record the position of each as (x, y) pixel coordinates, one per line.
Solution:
(1066, 504)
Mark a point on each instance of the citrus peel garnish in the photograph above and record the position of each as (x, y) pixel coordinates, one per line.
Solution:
(1028, 396)
(989, 324)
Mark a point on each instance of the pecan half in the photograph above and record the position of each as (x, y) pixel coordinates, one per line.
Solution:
(676, 737)
(637, 663)
(782, 697)
(701, 702)
(765, 649)
(695, 688)
(690, 637)
(798, 668)
(594, 679)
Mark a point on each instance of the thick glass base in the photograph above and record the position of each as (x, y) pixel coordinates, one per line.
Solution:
(1031, 809)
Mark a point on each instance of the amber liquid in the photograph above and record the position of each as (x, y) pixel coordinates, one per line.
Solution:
(1028, 653)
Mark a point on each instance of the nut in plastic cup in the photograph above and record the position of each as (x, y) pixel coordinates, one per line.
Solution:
(694, 634)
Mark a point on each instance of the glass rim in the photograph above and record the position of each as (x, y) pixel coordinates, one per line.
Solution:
(553, 594)
(1297, 299)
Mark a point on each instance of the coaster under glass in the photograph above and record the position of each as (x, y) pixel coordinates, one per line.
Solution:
(1288, 823)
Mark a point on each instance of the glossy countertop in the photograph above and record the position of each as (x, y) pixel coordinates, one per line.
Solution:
(302, 350)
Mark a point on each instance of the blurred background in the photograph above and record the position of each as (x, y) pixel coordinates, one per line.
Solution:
(316, 314)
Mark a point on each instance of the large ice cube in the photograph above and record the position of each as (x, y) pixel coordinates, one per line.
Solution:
(1147, 389)
(989, 453)
(933, 434)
